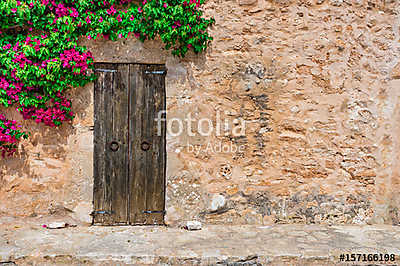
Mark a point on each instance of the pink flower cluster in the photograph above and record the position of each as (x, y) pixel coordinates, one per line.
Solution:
(12, 89)
(176, 24)
(22, 60)
(58, 111)
(197, 2)
(75, 60)
(50, 116)
(7, 139)
(19, 56)
(111, 11)
(62, 10)
(5, 133)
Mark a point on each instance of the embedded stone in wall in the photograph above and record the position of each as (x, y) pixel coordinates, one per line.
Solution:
(217, 203)
(396, 72)
(247, 2)
(336, 2)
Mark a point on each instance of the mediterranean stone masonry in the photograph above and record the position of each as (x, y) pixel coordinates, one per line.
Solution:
(318, 84)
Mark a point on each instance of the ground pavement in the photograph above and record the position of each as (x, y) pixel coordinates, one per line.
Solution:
(28, 243)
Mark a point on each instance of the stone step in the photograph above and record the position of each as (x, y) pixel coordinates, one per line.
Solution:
(212, 245)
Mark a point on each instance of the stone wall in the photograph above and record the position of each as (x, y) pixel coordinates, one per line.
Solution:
(317, 82)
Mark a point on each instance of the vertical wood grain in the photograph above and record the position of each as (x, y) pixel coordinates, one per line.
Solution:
(137, 156)
(154, 85)
(129, 181)
(119, 132)
(103, 91)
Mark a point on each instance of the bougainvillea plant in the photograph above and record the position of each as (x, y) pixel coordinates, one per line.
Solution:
(40, 55)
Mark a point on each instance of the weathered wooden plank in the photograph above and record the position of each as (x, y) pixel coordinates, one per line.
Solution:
(99, 146)
(148, 120)
(103, 126)
(108, 91)
(161, 156)
(119, 142)
(137, 186)
(154, 86)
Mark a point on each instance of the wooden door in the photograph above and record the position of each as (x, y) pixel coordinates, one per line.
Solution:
(129, 146)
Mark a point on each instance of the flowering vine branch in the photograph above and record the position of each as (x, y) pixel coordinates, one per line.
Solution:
(40, 55)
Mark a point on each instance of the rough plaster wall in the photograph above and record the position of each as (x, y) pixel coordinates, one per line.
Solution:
(316, 82)
(52, 173)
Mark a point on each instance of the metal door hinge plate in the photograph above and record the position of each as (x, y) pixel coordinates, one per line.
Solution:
(101, 212)
(157, 72)
(150, 212)
(106, 70)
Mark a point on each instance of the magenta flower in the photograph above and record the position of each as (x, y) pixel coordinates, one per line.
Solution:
(111, 11)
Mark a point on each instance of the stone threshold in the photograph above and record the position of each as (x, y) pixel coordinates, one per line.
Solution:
(30, 244)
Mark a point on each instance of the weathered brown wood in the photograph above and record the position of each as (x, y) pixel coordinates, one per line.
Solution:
(137, 156)
(147, 167)
(129, 181)
(119, 133)
(99, 147)
(155, 88)
(148, 120)
(103, 124)
(160, 105)
(108, 91)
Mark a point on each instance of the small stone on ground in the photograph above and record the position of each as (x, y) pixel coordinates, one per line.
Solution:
(192, 225)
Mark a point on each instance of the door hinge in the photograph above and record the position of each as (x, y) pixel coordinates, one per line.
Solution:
(150, 212)
(101, 212)
(105, 70)
(158, 72)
